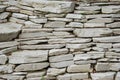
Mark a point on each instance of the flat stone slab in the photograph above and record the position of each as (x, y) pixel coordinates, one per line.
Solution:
(50, 6)
(9, 31)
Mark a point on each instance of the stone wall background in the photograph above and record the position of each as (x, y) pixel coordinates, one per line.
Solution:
(59, 40)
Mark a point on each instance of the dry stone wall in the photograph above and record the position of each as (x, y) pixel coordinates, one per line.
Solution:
(59, 40)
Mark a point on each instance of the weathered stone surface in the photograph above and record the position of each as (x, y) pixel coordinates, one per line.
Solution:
(4, 15)
(45, 6)
(55, 71)
(27, 12)
(40, 20)
(75, 16)
(62, 64)
(48, 46)
(117, 76)
(104, 45)
(54, 15)
(116, 45)
(26, 56)
(8, 44)
(3, 59)
(55, 24)
(6, 68)
(88, 8)
(55, 52)
(13, 9)
(88, 56)
(69, 40)
(78, 46)
(20, 16)
(36, 74)
(113, 25)
(103, 76)
(82, 62)
(12, 77)
(2, 8)
(94, 25)
(73, 76)
(101, 20)
(60, 58)
(16, 20)
(108, 66)
(8, 50)
(75, 24)
(110, 9)
(9, 31)
(60, 19)
(107, 39)
(32, 67)
(92, 32)
(78, 68)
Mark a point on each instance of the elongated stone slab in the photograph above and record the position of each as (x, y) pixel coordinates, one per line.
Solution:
(50, 6)
(26, 56)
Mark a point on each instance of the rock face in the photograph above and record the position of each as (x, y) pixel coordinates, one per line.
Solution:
(59, 39)
(9, 31)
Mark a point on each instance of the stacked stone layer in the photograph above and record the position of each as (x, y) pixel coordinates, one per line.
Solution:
(59, 40)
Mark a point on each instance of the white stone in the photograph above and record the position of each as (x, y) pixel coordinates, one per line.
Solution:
(78, 46)
(36, 74)
(20, 16)
(88, 56)
(6, 68)
(32, 67)
(78, 68)
(26, 56)
(103, 76)
(88, 8)
(75, 76)
(116, 45)
(60, 19)
(101, 20)
(55, 71)
(60, 58)
(75, 24)
(94, 25)
(40, 20)
(55, 24)
(44, 47)
(75, 16)
(3, 59)
(55, 52)
(9, 31)
(107, 39)
(112, 55)
(113, 25)
(104, 45)
(110, 9)
(2, 8)
(61, 64)
(13, 9)
(92, 32)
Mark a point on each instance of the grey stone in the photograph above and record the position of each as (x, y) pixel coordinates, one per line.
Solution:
(4, 15)
(75, 16)
(20, 16)
(40, 20)
(78, 68)
(117, 76)
(9, 31)
(13, 9)
(8, 68)
(101, 20)
(55, 52)
(75, 24)
(55, 71)
(26, 56)
(94, 25)
(3, 59)
(113, 25)
(55, 24)
(110, 9)
(74, 76)
(60, 58)
(92, 32)
(103, 76)
(61, 64)
(32, 67)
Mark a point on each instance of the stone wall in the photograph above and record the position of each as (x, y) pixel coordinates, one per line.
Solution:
(59, 40)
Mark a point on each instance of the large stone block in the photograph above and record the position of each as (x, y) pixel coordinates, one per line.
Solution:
(26, 56)
(50, 6)
(9, 31)
(92, 32)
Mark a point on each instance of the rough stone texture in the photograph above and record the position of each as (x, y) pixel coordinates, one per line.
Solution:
(59, 40)
(9, 31)
(28, 56)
